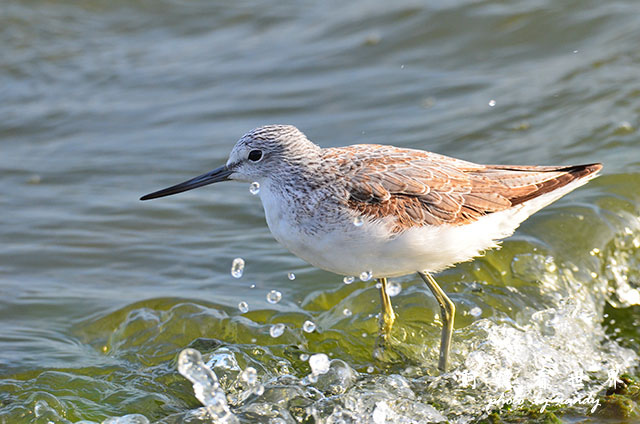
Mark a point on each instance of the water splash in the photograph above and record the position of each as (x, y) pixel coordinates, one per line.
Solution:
(553, 360)
(237, 268)
(558, 355)
(621, 266)
(394, 288)
(205, 386)
(254, 188)
(319, 363)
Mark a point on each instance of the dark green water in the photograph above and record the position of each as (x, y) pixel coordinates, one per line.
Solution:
(101, 102)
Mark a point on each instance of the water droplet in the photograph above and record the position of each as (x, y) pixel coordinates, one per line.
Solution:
(252, 286)
(492, 103)
(304, 357)
(358, 221)
(276, 330)
(319, 363)
(244, 307)
(347, 312)
(364, 334)
(308, 326)
(378, 285)
(366, 275)
(393, 288)
(594, 252)
(41, 408)
(254, 188)
(237, 267)
(549, 265)
(348, 280)
(205, 384)
(370, 369)
(475, 311)
(291, 276)
(274, 297)
(575, 51)
(250, 376)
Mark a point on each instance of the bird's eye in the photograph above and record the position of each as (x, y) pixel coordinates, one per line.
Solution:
(255, 155)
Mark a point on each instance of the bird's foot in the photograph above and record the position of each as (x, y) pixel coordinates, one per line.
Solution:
(387, 319)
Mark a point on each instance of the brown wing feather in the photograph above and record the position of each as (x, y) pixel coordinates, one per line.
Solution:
(421, 188)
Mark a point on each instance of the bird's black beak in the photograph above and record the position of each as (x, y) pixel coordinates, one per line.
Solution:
(217, 175)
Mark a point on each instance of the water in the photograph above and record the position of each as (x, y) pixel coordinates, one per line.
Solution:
(103, 102)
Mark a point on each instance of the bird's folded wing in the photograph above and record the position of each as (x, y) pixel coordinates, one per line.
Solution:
(421, 188)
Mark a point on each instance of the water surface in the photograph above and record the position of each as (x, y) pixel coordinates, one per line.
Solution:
(105, 101)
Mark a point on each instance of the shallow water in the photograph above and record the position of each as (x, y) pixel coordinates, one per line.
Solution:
(99, 293)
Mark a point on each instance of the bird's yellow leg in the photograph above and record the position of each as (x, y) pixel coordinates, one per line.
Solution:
(388, 316)
(448, 313)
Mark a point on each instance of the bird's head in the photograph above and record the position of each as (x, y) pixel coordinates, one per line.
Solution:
(266, 152)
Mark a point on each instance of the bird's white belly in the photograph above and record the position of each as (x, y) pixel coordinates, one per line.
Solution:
(346, 249)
